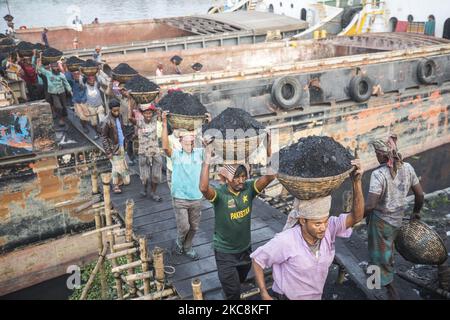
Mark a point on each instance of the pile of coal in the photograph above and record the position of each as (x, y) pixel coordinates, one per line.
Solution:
(141, 84)
(39, 46)
(314, 157)
(89, 63)
(2, 36)
(178, 102)
(124, 68)
(7, 42)
(176, 59)
(25, 46)
(52, 52)
(74, 60)
(234, 119)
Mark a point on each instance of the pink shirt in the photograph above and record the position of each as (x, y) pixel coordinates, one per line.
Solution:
(296, 271)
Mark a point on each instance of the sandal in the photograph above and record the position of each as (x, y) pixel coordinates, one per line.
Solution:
(117, 190)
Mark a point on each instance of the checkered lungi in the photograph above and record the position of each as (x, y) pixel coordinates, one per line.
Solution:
(120, 168)
(381, 236)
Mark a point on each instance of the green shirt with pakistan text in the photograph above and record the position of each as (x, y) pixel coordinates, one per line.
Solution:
(233, 217)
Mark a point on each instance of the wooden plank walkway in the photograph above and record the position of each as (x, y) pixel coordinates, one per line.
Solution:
(156, 221)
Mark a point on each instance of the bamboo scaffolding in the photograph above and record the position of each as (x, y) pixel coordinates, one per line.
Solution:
(123, 246)
(103, 283)
(157, 295)
(197, 289)
(106, 180)
(94, 181)
(139, 276)
(125, 282)
(158, 265)
(124, 267)
(101, 230)
(145, 267)
(117, 232)
(94, 272)
(115, 255)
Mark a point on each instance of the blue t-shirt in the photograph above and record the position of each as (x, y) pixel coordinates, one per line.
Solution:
(186, 174)
(119, 132)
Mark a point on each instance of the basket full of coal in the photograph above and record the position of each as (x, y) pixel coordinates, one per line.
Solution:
(25, 49)
(141, 89)
(74, 63)
(235, 136)
(89, 68)
(123, 72)
(51, 55)
(185, 110)
(314, 167)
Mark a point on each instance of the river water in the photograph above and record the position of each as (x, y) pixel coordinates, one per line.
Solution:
(40, 13)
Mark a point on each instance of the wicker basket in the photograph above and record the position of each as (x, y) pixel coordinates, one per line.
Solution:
(122, 78)
(311, 188)
(74, 67)
(47, 60)
(237, 151)
(26, 53)
(179, 121)
(89, 71)
(420, 244)
(144, 97)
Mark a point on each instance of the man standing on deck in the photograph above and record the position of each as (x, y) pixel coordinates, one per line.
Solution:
(232, 203)
(301, 255)
(386, 205)
(186, 165)
(97, 56)
(44, 37)
(113, 140)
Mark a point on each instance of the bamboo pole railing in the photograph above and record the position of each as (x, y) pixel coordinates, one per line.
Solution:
(101, 247)
(106, 179)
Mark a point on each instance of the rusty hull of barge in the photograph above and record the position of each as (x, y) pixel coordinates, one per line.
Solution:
(418, 113)
(40, 191)
(167, 34)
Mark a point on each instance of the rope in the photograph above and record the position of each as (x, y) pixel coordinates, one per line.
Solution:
(170, 268)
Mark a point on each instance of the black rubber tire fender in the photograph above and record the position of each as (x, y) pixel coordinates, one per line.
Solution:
(287, 92)
(360, 88)
(426, 71)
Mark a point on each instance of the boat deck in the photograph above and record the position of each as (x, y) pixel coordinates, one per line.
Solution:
(156, 222)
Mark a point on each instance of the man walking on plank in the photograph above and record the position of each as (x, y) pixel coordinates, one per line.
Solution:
(232, 203)
(301, 255)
